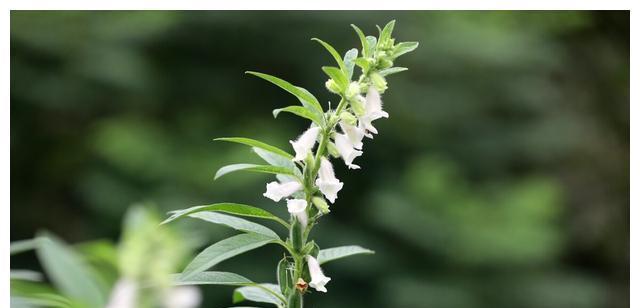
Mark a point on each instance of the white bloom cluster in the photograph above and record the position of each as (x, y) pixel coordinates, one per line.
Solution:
(348, 144)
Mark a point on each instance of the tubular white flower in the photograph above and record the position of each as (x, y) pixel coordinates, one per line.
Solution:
(346, 150)
(318, 279)
(372, 111)
(276, 190)
(183, 297)
(355, 134)
(124, 294)
(327, 182)
(298, 208)
(305, 143)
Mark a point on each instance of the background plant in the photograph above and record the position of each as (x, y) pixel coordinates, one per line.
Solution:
(306, 180)
(519, 116)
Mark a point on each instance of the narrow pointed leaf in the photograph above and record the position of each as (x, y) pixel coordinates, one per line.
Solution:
(235, 223)
(333, 53)
(339, 76)
(403, 48)
(392, 70)
(257, 144)
(253, 168)
(259, 294)
(301, 112)
(230, 208)
(330, 254)
(17, 247)
(28, 275)
(223, 250)
(211, 277)
(350, 62)
(372, 41)
(363, 40)
(385, 34)
(306, 98)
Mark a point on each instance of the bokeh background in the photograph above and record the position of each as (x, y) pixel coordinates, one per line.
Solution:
(501, 178)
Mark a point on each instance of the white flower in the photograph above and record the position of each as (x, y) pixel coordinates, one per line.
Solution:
(305, 143)
(124, 294)
(327, 182)
(183, 297)
(318, 279)
(346, 150)
(372, 111)
(276, 191)
(298, 208)
(355, 134)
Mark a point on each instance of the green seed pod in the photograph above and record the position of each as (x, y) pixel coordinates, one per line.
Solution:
(333, 150)
(357, 104)
(352, 90)
(321, 205)
(296, 236)
(379, 82)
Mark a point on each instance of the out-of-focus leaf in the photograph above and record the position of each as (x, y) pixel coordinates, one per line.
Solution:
(264, 293)
(372, 42)
(306, 98)
(253, 168)
(69, 272)
(301, 112)
(22, 246)
(235, 223)
(25, 275)
(258, 144)
(330, 254)
(223, 250)
(231, 208)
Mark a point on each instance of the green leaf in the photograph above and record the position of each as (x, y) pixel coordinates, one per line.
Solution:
(339, 76)
(306, 98)
(259, 293)
(216, 278)
(350, 62)
(235, 223)
(335, 253)
(333, 53)
(17, 247)
(28, 275)
(253, 168)
(69, 272)
(363, 63)
(301, 112)
(385, 35)
(285, 279)
(403, 48)
(230, 208)
(257, 144)
(372, 42)
(50, 300)
(392, 70)
(363, 41)
(223, 250)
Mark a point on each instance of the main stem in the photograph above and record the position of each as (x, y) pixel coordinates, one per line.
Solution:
(296, 300)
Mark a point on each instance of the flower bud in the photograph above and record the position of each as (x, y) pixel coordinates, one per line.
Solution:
(357, 104)
(348, 118)
(332, 86)
(321, 205)
(352, 90)
(385, 63)
(379, 82)
(333, 151)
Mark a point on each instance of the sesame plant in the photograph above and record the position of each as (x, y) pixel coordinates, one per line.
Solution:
(304, 181)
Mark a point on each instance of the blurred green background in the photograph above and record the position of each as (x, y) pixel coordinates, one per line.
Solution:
(501, 178)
